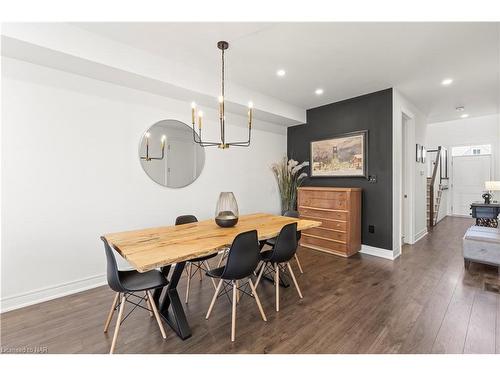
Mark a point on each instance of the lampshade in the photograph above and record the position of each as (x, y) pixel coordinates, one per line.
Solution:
(492, 185)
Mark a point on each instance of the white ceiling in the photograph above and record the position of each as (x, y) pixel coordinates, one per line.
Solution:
(345, 59)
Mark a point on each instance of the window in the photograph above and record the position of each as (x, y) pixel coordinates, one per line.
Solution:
(471, 150)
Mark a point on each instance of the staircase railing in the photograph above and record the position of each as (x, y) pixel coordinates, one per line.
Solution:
(431, 188)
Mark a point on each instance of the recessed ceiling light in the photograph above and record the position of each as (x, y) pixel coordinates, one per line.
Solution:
(280, 73)
(465, 115)
(319, 92)
(446, 81)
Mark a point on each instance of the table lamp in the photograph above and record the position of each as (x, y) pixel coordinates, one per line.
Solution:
(490, 186)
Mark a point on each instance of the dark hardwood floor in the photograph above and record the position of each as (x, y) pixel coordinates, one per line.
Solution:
(423, 302)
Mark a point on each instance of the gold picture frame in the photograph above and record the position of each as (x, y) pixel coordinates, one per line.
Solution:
(344, 155)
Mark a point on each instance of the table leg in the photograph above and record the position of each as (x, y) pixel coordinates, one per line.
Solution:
(157, 292)
(171, 309)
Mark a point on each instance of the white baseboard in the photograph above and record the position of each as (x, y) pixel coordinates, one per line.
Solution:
(46, 294)
(379, 252)
(420, 235)
(396, 253)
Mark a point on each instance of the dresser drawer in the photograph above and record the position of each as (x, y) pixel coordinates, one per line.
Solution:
(326, 233)
(322, 194)
(325, 244)
(333, 224)
(333, 204)
(336, 225)
(322, 214)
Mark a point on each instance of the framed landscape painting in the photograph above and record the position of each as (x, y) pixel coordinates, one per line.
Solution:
(340, 156)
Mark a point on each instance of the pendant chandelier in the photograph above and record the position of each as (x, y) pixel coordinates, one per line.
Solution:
(198, 115)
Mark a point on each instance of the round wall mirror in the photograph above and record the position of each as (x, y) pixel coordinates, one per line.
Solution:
(169, 156)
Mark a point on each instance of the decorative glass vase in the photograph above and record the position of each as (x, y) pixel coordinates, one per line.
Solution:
(226, 211)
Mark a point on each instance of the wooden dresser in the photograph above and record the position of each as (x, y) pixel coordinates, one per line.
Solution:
(339, 210)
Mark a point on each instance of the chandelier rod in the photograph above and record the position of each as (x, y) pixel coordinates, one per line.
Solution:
(223, 114)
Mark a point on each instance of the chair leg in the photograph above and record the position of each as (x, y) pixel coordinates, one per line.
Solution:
(298, 263)
(294, 280)
(237, 291)
(256, 268)
(149, 304)
(155, 312)
(111, 312)
(213, 299)
(260, 274)
(222, 256)
(190, 268)
(257, 300)
(233, 315)
(277, 283)
(212, 279)
(118, 323)
(199, 270)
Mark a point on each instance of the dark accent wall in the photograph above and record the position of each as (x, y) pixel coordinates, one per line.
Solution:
(372, 112)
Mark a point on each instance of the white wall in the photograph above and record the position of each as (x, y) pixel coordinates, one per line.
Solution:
(70, 172)
(417, 175)
(475, 130)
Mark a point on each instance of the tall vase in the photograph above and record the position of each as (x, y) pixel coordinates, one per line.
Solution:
(284, 204)
(288, 202)
(226, 210)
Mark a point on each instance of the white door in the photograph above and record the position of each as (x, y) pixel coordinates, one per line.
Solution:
(469, 174)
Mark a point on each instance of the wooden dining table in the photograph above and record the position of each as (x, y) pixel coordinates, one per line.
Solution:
(164, 247)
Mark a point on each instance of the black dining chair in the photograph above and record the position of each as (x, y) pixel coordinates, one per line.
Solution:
(272, 241)
(127, 284)
(200, 264)
(242, 259)
(283, 251)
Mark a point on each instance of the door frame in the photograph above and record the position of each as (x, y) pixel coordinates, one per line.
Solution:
(410, 167)
(452, 178)
(406, 219)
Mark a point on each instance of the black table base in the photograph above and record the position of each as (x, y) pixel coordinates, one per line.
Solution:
(486, 222)
(171, 309)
